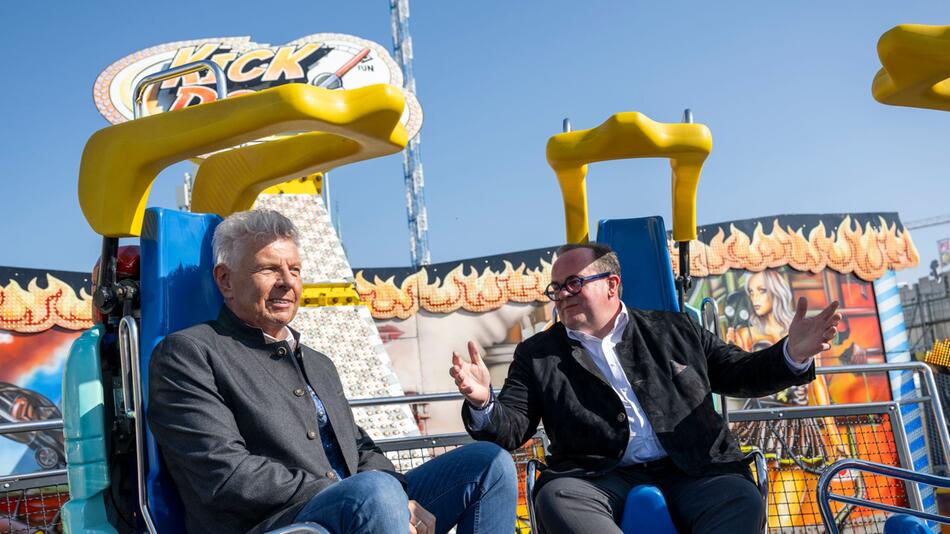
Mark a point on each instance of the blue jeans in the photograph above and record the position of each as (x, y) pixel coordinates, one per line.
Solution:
(473, 487)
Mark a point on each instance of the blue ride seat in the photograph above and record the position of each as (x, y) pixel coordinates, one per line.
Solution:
(645, 512)
(645, 264)
(641, 247)
(178, 291)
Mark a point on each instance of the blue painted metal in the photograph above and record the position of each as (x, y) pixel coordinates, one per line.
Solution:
(644, 261)
(412, 155)
(84, 433)
(897, 350)
(178, 291)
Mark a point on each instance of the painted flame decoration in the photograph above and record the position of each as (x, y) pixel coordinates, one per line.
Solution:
(34, 309)
(471, 292)
(865, 252)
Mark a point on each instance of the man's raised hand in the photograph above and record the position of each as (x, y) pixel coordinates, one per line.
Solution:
(807, 336)
(471, 378)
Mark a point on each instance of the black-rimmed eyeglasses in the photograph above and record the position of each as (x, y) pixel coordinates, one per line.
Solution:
(573, 285)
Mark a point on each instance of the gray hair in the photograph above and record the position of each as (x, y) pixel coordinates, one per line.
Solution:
(605, 259)
(777, 287)
(254, 225)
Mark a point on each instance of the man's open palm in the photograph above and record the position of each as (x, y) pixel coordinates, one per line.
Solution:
(471, 377)
(807, 336)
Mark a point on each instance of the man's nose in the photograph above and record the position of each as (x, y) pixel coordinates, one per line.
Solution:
(284, 277)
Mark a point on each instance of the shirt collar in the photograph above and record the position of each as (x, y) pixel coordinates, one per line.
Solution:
(285, 335)
(620, 323)
(234, 326)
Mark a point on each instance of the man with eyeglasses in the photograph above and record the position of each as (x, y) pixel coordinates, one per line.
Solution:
(625, 396)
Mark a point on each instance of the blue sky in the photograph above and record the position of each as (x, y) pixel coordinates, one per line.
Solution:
(784, 87)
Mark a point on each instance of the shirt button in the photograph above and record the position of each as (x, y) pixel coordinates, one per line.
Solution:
(311, 435)
(331, 475)
(621, 417)
(282, 351)
(299, 392)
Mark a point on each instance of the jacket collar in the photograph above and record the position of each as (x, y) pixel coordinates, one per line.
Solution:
(231, 325)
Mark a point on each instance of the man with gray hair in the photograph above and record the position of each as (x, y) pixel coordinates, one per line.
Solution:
(625, 396)
(257, 434)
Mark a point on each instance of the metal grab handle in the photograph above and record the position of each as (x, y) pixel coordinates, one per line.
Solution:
(221, 81)
(127, 329)
(299, 528)
(531, 471)
(129, 336)
(829, 473)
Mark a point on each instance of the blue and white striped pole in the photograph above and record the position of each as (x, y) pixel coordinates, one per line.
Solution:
(896, 349)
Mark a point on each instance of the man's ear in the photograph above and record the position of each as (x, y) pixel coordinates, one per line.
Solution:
(222, 277)
(613, 285)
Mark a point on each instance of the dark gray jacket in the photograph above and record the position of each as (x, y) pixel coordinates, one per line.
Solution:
(673, 366)
(238, 431)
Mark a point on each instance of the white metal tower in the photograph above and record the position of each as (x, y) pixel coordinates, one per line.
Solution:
(411, 159)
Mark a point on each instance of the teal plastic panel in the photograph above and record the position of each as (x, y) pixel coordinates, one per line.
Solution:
(84, 432)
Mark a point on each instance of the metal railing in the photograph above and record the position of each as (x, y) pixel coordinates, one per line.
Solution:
(927, 395)
(929, 390)
(138, 94)
(825, 496)
(9, 482)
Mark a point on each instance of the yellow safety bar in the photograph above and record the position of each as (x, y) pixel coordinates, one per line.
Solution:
(230, 181)
(623, 136)
(916, 61)
(120, 162)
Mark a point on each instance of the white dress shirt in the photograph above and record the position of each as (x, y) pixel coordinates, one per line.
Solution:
(643, 445)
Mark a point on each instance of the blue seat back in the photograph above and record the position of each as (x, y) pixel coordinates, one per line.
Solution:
(178, 291)
(648, 284)
(644, 261)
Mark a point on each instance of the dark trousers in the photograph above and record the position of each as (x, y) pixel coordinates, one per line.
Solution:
(728, 504)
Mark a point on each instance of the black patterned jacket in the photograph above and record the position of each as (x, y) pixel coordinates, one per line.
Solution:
(673, 365)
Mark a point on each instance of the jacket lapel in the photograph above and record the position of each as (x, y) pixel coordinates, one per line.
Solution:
(275, 359)
(631, 345)
(584, 360)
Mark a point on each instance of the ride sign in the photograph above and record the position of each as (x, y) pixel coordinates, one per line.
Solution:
(330, 60)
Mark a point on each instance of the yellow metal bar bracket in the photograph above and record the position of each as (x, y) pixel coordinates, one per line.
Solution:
(308, 185)
(624, 136)
(330, 294)
(916, 67)
(120, 162)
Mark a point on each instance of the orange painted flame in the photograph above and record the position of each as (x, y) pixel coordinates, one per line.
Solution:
(866, 252)
(473, 292)
(34, 309)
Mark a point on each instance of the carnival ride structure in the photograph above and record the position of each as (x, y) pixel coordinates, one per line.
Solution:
(117, 483)
(915, 60)
(116, 480)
